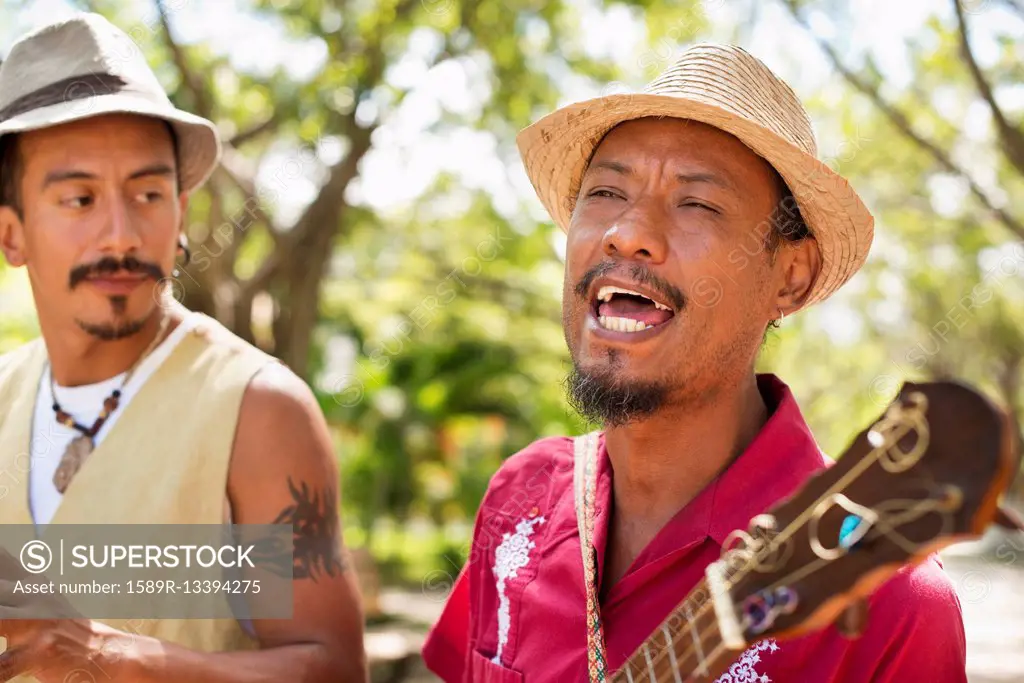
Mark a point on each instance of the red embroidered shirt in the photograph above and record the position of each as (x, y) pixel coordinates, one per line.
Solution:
(516, 612)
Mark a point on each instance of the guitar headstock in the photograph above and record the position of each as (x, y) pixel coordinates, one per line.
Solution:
(927, 474)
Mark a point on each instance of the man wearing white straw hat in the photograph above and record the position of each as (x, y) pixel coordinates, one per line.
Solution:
(131, 409)
(697, 215)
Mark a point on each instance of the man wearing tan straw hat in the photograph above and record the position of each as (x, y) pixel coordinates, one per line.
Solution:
(131, 409)
(697, 215)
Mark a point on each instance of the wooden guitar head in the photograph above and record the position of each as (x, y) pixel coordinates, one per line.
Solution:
(928, 474)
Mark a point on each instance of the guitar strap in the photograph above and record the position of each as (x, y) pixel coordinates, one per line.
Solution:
(584, 485)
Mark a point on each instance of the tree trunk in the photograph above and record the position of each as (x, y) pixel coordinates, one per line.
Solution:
(1010, 388)
(304, 276)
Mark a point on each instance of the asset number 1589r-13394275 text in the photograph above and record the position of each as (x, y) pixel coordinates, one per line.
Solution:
(194, 586)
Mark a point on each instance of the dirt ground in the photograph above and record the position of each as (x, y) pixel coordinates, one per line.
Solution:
(991, 590)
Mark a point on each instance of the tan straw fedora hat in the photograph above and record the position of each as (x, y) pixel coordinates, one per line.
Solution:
(726, 87)
(84, 67)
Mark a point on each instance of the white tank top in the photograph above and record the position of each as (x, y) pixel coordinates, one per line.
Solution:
(50, 438)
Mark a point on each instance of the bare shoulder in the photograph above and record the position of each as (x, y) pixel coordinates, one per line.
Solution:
(277, 388)
(279, 419)
(283, 452)
(283, 472)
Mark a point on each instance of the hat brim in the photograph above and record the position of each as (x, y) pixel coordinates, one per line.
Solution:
(556, 150)
(198, 143)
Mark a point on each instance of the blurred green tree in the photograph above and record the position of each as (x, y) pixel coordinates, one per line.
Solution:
(428, 321)
(943, 170)
(430, 327)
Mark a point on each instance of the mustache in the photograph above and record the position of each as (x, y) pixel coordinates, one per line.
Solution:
(639, 273)
(108, 265)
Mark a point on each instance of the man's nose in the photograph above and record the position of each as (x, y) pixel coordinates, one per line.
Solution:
(638, 234)
(120, 235)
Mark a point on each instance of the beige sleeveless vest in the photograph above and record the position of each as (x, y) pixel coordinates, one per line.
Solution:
(165, 461)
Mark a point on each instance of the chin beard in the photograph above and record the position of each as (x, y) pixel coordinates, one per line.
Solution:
(113, 331)
(119, 328)
(599, 396)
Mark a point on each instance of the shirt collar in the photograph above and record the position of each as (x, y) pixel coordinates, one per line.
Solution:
(775, 464)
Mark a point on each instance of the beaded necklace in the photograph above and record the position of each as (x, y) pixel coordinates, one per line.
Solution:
(83, 445)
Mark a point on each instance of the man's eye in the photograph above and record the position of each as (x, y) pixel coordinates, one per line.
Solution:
(700, 205)
(603, 193)
(150, 197)
(79, 202)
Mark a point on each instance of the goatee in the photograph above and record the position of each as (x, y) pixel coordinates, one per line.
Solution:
(602, 397)
(113, 331)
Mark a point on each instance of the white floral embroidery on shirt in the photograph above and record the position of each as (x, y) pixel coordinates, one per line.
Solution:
(744, 670)
(510, 556)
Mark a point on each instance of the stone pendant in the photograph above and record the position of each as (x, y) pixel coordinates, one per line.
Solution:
(73, 459)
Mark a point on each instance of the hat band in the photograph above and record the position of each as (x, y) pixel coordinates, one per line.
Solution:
(66, 90)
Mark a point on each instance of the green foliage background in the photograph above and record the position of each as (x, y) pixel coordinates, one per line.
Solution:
(431, 329)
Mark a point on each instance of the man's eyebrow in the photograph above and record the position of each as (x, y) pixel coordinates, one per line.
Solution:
(706, 177)
(686, 178)
(158, 169)
(61, 175)
(614, 166)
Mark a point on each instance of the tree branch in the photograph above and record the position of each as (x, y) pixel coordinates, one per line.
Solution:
(330, 198)
(230, 168)
(1011, 137)
(259, 129)
(192, 83)
(900, 121)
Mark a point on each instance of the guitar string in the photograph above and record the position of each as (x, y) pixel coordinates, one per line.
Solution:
(684, 658)
(869, 459)
(885, 524)
(888, 531)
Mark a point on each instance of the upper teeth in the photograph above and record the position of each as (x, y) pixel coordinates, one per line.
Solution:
(605, 294)
(622, 324)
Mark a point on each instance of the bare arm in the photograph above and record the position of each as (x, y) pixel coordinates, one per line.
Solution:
(282, 472)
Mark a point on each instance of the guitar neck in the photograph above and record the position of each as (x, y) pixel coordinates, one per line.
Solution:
(876, 499)
(687, 646)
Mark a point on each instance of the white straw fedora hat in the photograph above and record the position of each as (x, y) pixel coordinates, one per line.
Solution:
(85, 66)
(726, 87)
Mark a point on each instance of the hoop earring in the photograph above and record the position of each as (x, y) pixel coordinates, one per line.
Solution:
(777, 323)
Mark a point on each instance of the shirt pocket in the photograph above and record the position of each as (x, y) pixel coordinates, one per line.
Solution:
(509, 565)
(483, 670)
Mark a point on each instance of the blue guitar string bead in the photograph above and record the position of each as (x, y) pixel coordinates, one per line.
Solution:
(849, 526)
(758, 612)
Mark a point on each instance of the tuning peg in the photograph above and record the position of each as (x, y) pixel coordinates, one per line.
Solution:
(854, 619)
(1008, 519)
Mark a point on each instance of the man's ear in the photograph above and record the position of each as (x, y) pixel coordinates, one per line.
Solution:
(800, 264)
(12, 236)
(182, 212)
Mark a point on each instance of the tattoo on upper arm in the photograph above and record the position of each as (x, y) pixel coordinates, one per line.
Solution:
(313, 515)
